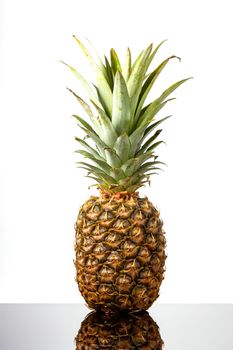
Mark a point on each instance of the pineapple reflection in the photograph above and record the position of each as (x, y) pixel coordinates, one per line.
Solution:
(136, 330)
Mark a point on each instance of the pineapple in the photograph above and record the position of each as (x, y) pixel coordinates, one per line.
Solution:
(120, 332)
(120, 243)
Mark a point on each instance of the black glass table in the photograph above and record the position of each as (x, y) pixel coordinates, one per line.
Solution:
(62, 327)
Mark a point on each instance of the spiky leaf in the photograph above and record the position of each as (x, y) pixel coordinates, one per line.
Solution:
(108, 132)
(123, 147)
(136, 78)
(126, 70)
(115, 63)
(89, 148)
(121, 105)
(122, 127)
(109, 73)
(149, 84)
(91, 92)
(103, 86)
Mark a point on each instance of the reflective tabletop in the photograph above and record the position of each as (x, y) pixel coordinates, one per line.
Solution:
(71, 327)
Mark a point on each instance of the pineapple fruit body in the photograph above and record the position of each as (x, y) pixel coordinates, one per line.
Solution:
(120, 252)
(121, 332)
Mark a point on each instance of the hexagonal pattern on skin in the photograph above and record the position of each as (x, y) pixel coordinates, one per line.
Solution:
(120, 253)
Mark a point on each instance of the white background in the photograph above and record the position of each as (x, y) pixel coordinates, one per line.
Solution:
(41, 189)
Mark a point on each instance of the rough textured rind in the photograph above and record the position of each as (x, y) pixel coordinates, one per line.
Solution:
(122, 332)
(120, 252)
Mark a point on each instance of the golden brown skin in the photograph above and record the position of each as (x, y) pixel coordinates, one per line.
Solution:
(122, 332)
(120, 252)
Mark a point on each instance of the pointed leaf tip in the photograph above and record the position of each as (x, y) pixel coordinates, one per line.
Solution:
(64, 63)
(174, 56)
(121, 105)
(115, 62)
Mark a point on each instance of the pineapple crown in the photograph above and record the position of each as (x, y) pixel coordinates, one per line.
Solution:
(122, 131)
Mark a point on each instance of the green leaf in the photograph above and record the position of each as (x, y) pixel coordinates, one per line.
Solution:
(97, 179)
(149, 142)
(143, 157)
(155, 51)
(131, 168)
(121, 105)
(112, 158)
(135, 139)
(137, 60)
(102, 164)
(151, 127)
(94, 178)
(122, 147)
(91, 92)
(126, 70)
(88, 110)
(108, 132)
(151, 111)
(133, 164)
(91, 156)
(172, 88)
(109, 73)
(99, 143)
(136, 78)
(149, 83)
(150, 169)
(100, 62)
(85, 106)
(96, 171)
(154, 168)
(86, 154)
(154, 145)
(128, 166)
(117, 173)
(102, 103)
(84, 123)
(89, 148)
(147, 166)
(115, 62)
(155, 106)
(131, 180)
(158, 162)
(103, 86)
